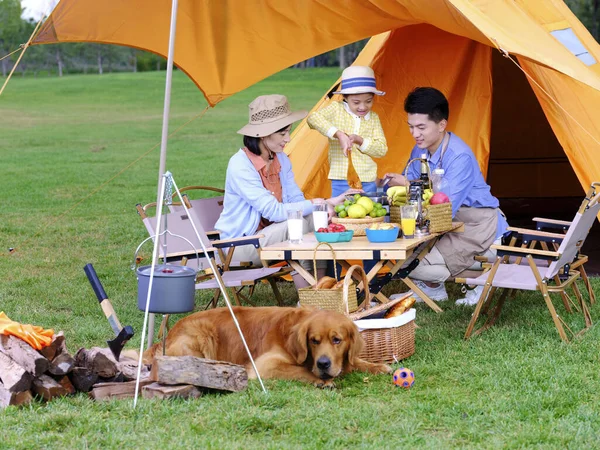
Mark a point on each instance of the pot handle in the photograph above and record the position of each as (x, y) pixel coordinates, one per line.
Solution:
(134, 264)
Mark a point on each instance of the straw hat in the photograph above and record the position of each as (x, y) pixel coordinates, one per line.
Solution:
(269, 113)
(358, 80)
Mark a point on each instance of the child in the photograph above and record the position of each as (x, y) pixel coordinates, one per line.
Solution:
(354, 131)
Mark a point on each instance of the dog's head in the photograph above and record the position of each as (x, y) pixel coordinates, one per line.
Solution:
(325, 341)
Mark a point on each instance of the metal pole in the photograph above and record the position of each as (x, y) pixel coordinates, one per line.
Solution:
(165, 126)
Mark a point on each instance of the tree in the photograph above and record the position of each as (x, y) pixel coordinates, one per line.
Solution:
(10, 27)
(588, 12)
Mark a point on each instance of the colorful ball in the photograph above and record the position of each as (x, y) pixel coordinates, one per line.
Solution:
(403, 377)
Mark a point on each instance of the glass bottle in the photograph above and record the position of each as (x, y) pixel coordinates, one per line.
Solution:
(424, 171)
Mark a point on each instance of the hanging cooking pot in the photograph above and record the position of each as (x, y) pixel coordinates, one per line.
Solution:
(173, 286)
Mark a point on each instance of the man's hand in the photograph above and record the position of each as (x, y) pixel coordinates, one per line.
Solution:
(396, 179)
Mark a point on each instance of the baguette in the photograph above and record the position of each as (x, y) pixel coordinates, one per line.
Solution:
(399, 308)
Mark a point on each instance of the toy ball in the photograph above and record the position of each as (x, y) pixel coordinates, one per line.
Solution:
(403, 377)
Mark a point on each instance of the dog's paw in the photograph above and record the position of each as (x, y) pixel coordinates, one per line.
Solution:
(382, 368)
(325, 384)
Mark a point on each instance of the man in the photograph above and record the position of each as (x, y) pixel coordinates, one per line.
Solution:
(472, 201)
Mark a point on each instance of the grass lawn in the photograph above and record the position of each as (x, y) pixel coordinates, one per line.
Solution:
(61, 139)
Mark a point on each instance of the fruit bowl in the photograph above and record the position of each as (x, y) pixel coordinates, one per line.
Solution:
(358, 225)
(389, 235)
(376, 197)
(342, 236)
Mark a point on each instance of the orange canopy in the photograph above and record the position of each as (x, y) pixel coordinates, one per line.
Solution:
(227, 45)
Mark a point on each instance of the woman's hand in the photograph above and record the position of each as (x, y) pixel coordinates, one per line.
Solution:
(395, 179)
(340, 198)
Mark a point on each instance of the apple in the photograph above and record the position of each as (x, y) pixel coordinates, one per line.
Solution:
(439, 198)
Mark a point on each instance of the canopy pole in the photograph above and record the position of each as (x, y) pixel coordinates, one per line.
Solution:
(165, 128)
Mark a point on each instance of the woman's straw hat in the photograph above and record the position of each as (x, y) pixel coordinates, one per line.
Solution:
(269, 113)
(358, 80)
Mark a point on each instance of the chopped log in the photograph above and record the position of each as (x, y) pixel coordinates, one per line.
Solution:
(98, 360)
(66, 383)
(129, 368)
(56, 347)
(219, 375)
(105, 391)
(62, 364)
(118, 378)
(14, 377)
(157, 390)
(8, 398)
(23, 354)
(83, 378)
(47, 387)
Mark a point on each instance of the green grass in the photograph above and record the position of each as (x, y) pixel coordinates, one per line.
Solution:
(515, 386)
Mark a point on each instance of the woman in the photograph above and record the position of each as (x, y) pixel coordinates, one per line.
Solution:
(260, 186)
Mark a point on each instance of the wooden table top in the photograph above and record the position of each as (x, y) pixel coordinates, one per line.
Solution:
(358, 248)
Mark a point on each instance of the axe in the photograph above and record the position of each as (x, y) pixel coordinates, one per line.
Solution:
(123, 334)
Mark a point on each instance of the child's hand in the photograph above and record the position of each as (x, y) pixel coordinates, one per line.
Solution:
(355, 139)
(345, 142)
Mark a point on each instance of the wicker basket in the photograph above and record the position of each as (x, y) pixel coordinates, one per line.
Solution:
(389, 343)
(440, 217)
(342, 300)
(395, 214)
(358, 225)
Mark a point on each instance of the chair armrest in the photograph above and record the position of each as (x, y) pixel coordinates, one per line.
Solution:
(551, 223)
(235, 242)
(503, 250)
(537, 235)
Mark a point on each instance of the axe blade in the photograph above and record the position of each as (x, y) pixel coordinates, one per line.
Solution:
(117, 344)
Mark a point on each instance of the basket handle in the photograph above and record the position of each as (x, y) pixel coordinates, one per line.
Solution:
(348, 281)
(426, 165)
(315, 262)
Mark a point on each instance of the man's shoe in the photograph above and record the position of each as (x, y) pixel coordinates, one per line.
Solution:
(437, 294)
(471, 298)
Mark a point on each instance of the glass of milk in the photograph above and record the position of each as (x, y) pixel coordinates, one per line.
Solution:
(294, 223)
(320, 215)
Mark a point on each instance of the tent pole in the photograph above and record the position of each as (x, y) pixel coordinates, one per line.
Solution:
(165, 129)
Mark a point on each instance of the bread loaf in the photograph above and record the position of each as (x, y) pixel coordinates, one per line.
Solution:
(399, 308)
(326, 283)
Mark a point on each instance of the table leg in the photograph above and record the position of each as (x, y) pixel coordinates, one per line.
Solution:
(303, 273)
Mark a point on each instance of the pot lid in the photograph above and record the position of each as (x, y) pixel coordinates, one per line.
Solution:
(167, 270)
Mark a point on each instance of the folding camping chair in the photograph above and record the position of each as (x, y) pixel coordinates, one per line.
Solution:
(178, 225)
(510, 274)
(211, 208)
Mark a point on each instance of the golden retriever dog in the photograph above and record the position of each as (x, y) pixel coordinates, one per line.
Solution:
(303, 344)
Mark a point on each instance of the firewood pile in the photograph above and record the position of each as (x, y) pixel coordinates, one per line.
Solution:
(26, 373)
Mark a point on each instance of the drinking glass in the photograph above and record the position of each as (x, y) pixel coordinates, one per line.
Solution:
(295, 225)
(320, 215)
(408, 220)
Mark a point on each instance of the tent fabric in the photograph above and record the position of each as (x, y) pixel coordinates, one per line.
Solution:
(227, 45)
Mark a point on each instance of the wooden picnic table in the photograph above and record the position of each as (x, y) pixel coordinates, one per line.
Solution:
(387, 254)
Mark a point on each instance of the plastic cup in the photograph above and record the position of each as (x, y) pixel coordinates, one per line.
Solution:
(320, 216)
(408, 220)
(295, 225)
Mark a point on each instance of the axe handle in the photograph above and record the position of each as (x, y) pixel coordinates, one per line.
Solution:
(105, 303)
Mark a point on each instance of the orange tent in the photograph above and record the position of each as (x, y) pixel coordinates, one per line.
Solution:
(228, 45)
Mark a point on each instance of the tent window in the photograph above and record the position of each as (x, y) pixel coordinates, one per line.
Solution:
(567, 38)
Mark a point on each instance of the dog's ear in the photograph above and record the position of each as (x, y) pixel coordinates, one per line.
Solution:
(297, 342)
(356, 344)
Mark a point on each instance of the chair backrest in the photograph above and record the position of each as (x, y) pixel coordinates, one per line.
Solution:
(576, 235)
(209, 209)
(178, 223)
